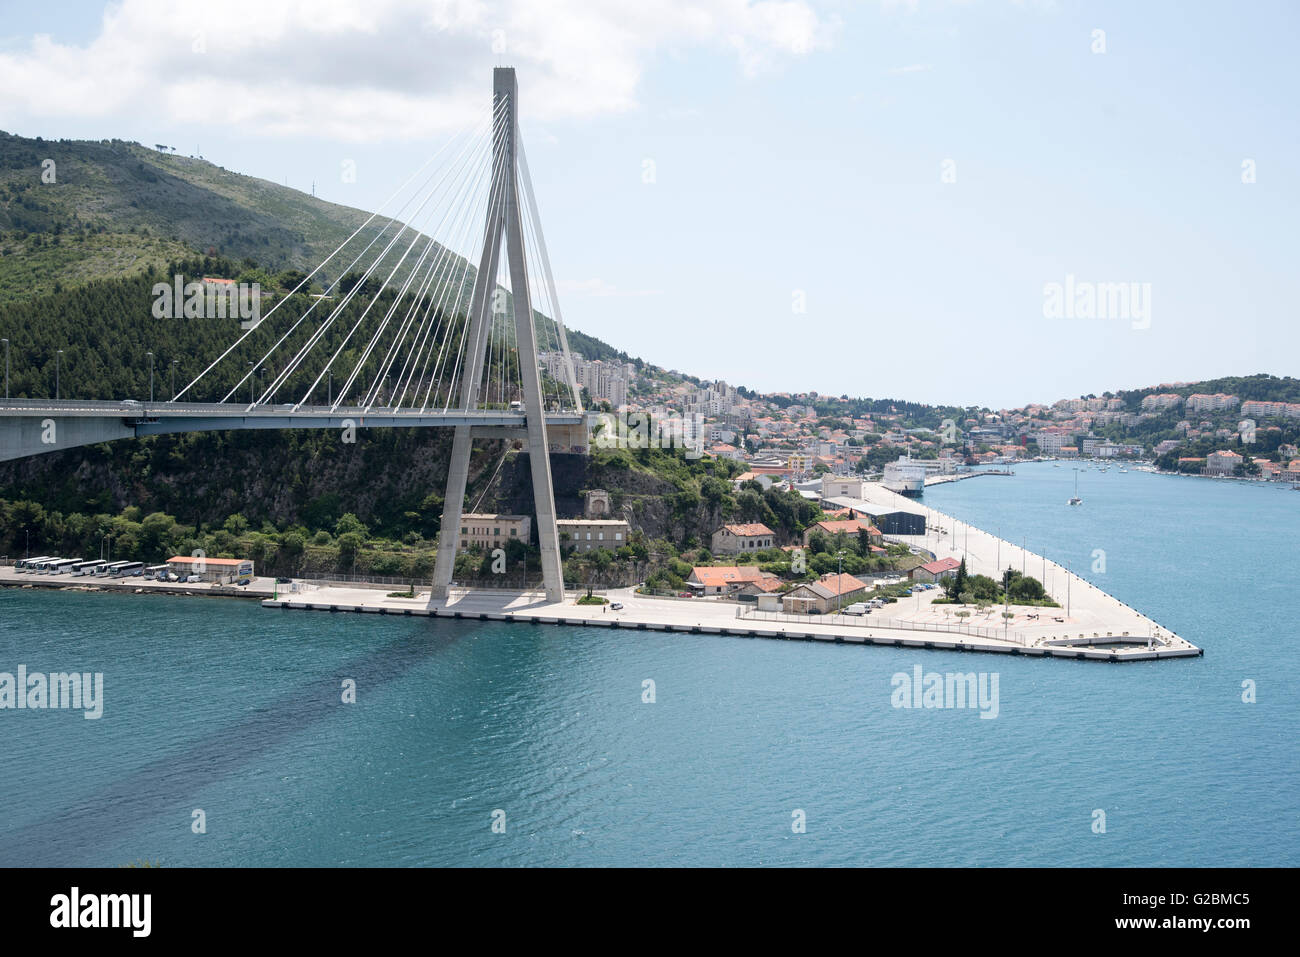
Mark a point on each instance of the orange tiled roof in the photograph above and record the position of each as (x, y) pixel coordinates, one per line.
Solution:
(753, 528)
(848, 526)
(840, 584)
(715, 576)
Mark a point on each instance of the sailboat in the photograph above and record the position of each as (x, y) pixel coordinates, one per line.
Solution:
(1074, 499)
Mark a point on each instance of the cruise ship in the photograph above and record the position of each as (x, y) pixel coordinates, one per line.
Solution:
(905, 476)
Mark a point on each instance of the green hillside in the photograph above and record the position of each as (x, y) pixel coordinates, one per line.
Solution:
(117, 208)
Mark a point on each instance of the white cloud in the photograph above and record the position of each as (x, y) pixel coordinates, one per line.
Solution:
(382, 69)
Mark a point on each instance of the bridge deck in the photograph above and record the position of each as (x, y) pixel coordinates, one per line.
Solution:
(142, 412)
(33, 426)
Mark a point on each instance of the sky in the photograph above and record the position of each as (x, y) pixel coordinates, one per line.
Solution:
(886, 199)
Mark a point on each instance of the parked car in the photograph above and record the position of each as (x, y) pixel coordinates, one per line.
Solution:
(616, 606)
(191, 579)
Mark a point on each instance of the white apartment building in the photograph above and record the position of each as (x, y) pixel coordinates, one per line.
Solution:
(1290, 410)
(1222, 463)
(1051, 441)
(606, 381)
(841, 486)
(1200, 402)
(1165, 400)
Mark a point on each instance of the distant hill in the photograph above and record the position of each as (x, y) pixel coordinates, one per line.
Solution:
(117, 209)
(1260, 387)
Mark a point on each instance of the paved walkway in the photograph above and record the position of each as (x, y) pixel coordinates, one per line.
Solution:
(903, 627)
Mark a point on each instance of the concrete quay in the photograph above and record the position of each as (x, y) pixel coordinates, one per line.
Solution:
(1086, 611)
(962, 476)
(921, 627)
(11, 578)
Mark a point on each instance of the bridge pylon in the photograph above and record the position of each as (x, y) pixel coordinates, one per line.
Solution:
(503, 224)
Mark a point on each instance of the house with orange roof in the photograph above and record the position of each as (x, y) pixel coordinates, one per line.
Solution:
(1222, 463)
(725, 451)
(734, 539)
(850, 526)
(936, 570)
(828, 594)
(766, 585)
(725, 579)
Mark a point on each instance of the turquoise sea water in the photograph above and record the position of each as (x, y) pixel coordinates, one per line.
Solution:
(223, 706)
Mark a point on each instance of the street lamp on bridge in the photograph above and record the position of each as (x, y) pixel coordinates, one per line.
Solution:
(6, 342)
(150, 355)
(58, 362)
(175, 363)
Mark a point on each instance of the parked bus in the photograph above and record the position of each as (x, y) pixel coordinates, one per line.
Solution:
(158, 572)
(63, 565)
(110, 570)
(87, 568)
(130, 569)
(28, 564)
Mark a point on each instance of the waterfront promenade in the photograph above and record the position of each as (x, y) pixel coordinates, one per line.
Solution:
(1089, 624)
(1084, 606)
(911, 622)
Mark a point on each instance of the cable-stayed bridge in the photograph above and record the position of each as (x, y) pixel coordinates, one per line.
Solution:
(431, 315)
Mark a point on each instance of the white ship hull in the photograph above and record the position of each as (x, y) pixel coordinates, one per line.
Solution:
(905, 480)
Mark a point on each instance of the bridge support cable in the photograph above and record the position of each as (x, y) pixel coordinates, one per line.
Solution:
(535, 219)
(462, 199)
(358, 289)
(470, 350)
(544, 332)
(457, 328)
(459, 199)
(370, 305)
(373, 216)
(431, 322)
(279, 379)
(548, 330)
(454, 320)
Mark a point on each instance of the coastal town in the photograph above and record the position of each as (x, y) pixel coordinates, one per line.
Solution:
(792, 436)
(794, 505)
